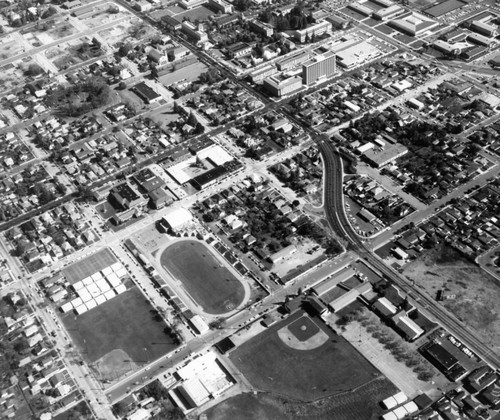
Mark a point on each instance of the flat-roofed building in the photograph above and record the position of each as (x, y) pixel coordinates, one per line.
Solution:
(484, 28)
(261, 27)
(388, 12)
(293, 61)
(146, 93)
(189, 4)
(360, 8)
(413, 24)
(240, 49)
(380, 157)
(126, 196)
(479, 39)
(260, 74)
(279, 86)
(191, 30)
(318, 29)
(337, 22)
(445, 47)
(221, 6)
(320, 67)
(357, 54)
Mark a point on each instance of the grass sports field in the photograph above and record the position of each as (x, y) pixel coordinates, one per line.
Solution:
(208, 282)
(90, 265)
(333, 367)
(360, 405)
(124, 325)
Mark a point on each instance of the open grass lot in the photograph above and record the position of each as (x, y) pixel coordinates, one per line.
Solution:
(360, 405)
(200, 13)
(477, 301)
(90, 265)
(125, 323)
(208, 282)
(307, 375)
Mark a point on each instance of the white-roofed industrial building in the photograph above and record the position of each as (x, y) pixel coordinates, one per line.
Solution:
(199, 324)
(203, 378)
(120, 289)
(385, 307)
(177, 219)
(81, 309)
(66, 307)
(395, 400)
(408, 327)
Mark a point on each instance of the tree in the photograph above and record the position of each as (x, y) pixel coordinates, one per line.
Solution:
(33, 70)
(21, 345)
(156, 390)
(154, 72)
(199, 129)
(85, 193)
(124, 50)
(21, 248)
(217, 323)
(242, 5)
(192, 120)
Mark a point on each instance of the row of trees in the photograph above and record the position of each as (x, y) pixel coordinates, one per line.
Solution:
(385, 336)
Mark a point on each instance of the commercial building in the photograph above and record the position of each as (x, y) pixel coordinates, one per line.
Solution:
(357, 54)
(413, 24)
(380, 157)
(146, 93)
(202, 379)
(320, 67)
(440, 357)
(389, 12)
(279, 85)
(360, 8)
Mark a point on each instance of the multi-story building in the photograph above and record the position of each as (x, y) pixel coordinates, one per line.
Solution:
(221, 6)
(191, 30)
(321, 66)
(261, 27)
(280, 86)
(317, 29)
(292, 61)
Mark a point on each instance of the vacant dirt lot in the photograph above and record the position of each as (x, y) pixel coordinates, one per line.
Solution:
(477, 294)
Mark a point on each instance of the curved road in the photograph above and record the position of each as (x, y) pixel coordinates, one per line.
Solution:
(334, 207)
